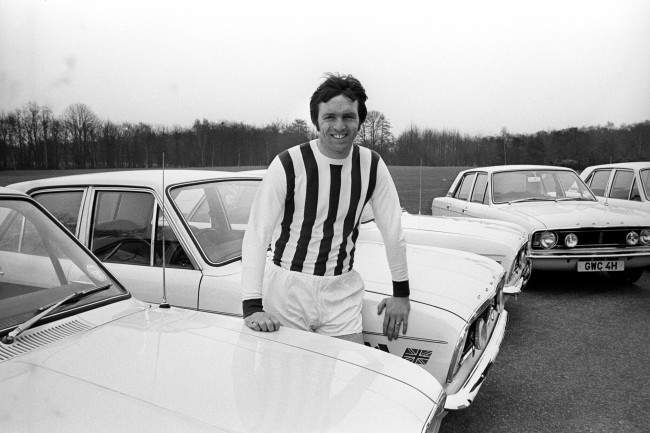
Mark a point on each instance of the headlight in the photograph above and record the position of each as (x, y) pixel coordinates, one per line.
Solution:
(645, 236)
(570, 240)
(480, 339)
(632, 238)
(548, 240)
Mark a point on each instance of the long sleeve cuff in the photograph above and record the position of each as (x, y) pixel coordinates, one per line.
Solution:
(251, 306)
(401, 289)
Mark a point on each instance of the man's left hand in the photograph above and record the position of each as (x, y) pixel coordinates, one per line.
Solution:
(397, 315)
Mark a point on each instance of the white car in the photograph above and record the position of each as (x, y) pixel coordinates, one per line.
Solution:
(568, 228)
(504, 242)
(624, 184)
(79, 354)
(457, 320)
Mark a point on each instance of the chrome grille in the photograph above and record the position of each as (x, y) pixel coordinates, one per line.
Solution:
(614, 237)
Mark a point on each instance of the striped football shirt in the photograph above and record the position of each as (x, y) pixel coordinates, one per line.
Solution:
(308, 209)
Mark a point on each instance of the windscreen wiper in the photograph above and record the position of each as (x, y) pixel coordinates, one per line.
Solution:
(574, 199)
(532, 199)
(47, 309)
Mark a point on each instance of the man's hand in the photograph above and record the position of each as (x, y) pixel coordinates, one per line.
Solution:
(397, 315)
(262, 321)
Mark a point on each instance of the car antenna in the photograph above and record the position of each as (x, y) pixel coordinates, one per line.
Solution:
(164, 303)
(420, 188)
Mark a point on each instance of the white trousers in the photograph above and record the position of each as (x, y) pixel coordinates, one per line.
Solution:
(328, 305)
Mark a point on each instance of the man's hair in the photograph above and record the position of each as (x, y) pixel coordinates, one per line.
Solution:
(335, 85)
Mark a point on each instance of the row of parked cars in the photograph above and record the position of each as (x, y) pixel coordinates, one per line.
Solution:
(196, 367)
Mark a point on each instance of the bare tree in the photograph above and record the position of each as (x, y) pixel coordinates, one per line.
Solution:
(82, 125)
(375, 132)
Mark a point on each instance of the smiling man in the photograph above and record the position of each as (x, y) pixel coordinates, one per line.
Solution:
(308, 209)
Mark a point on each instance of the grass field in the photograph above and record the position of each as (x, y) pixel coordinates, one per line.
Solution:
(431, 181)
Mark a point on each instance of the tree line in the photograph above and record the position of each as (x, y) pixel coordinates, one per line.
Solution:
(32, 137)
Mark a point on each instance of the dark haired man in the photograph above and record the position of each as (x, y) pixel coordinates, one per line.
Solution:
(308, 208)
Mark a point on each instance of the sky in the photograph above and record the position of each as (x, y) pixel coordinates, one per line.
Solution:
(471, 66)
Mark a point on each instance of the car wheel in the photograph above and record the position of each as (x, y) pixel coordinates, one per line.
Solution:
(627, 276)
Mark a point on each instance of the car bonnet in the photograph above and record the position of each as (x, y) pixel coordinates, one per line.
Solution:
(478, 228)
(557, 215)
(452, 280)
(181, 370)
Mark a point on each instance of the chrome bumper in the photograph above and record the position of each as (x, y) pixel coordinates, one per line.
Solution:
(464, 396)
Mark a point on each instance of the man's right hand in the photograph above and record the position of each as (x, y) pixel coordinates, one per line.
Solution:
(262, 321)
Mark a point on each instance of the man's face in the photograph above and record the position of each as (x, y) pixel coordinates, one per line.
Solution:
(338, 123)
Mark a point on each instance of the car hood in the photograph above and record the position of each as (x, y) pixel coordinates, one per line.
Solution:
(483, 228)
(582, 214)
(453, 280)
(158, 370)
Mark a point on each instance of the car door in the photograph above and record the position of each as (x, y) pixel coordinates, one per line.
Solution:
(479, 198)
(623, 189)
(458, 203)
(127, 232)
(598, 181)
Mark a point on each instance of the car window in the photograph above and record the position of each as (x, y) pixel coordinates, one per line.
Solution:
(216, 213)
(538, 185)
(19, 234)
(645, 182)
(634, 194)
(480, 187)
(598, 182)
(462, 192)
(32, 277)
(622, 184)
(121, 227)
(64, 205)
(175, 255)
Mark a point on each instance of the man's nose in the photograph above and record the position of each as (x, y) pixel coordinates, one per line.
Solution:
(339, 124)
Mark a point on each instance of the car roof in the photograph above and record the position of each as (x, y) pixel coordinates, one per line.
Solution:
(497, 168)
(10, 191)
(137, 178)
(636, 165)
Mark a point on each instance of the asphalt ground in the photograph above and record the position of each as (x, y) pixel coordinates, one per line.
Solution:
(575, 358)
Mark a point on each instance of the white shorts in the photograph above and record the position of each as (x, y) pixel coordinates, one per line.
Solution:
(329, 305)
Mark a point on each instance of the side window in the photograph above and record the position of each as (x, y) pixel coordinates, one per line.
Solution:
(175, 256)
(480, 187)
(121, 230)
(645, 182)
(635, 195)
(462, 193)
(64, 205)
(598, 182)
(621, 184)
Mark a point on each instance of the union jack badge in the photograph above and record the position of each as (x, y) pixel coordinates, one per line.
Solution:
(417, 356)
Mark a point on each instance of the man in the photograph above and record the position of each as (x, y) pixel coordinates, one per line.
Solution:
(308, 208)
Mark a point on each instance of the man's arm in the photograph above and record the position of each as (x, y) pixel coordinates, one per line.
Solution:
(388, 216)
(266, 210)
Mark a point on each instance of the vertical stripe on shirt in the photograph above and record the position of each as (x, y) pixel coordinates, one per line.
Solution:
(355, 194)
(328, 226)
(289, 207)
(372, 181)
(311, 207)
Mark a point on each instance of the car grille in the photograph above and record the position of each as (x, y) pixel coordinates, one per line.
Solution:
(591, 238)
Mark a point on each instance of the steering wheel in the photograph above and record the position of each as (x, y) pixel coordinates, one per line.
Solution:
(118, 247)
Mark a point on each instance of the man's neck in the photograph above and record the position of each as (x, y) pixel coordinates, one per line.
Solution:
(331, 153)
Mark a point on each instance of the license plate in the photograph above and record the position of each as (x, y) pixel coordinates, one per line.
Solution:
(601, 265)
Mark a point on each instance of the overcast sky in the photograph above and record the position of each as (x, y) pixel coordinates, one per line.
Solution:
(472, 66)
